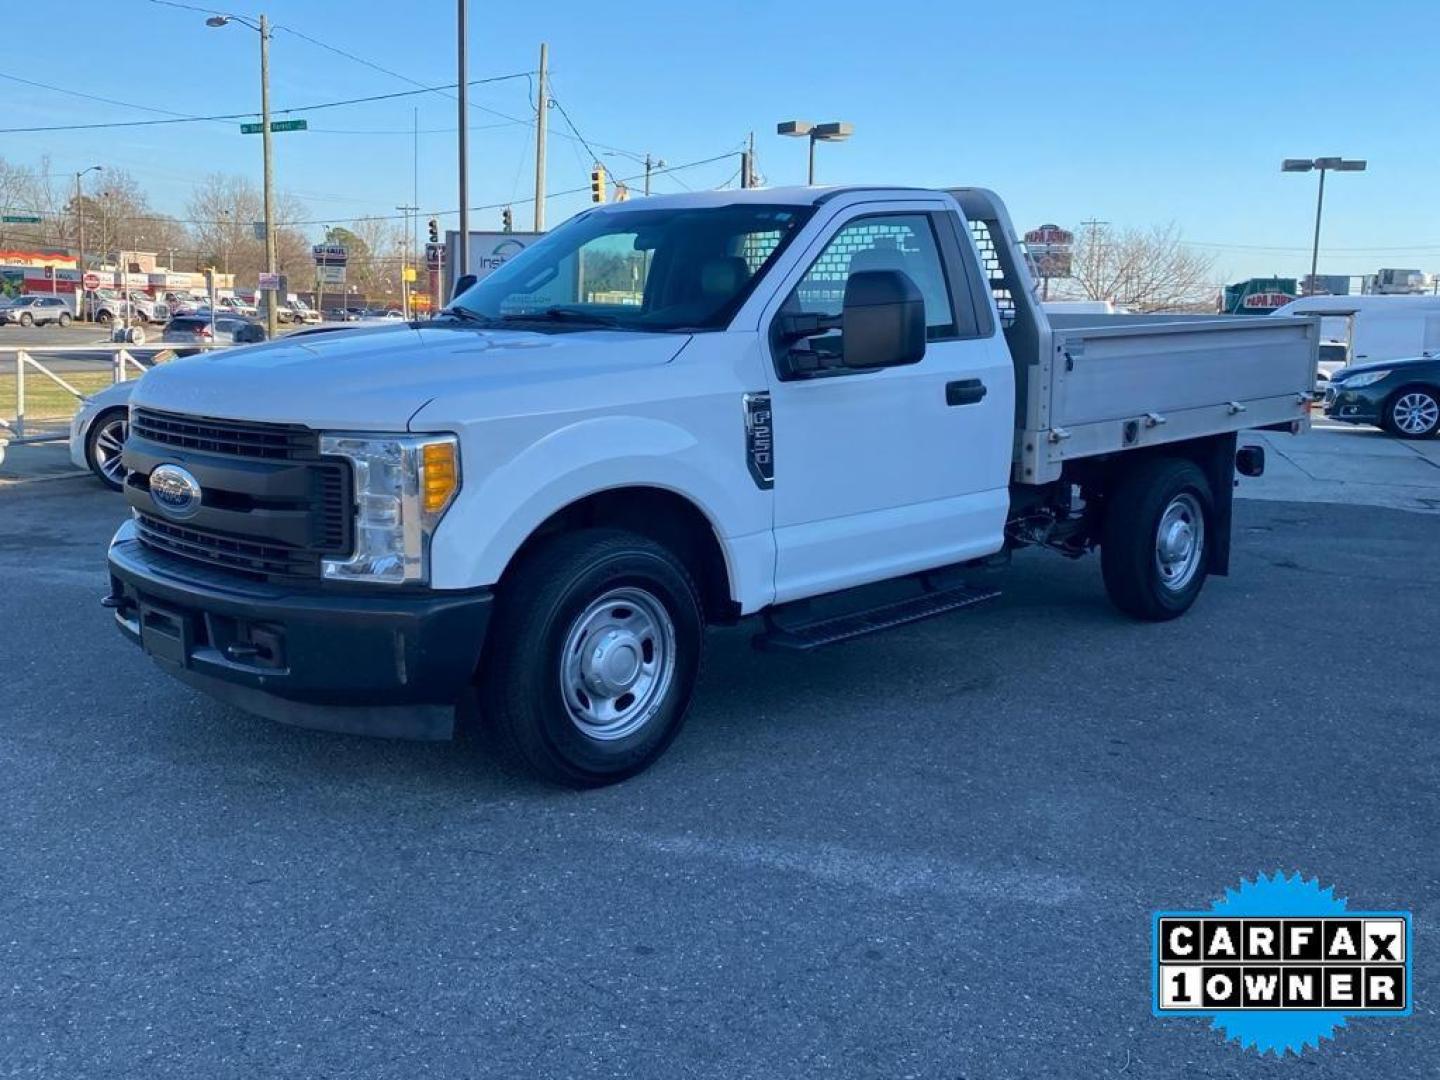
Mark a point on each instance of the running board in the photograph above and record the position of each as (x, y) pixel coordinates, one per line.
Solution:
(813, 635)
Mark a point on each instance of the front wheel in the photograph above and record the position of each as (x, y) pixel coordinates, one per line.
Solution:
(594, 651)
(1413, 414)
(1155, 544)
(64, 319)
(26, 319)
(104, 318)
(104, 445)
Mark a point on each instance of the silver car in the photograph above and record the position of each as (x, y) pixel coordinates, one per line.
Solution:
(197, 329)
(35, 311)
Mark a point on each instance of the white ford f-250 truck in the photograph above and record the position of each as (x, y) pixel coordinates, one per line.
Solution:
(824, 407)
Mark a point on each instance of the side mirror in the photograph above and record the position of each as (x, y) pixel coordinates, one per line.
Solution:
(464, 282)
(883, 320)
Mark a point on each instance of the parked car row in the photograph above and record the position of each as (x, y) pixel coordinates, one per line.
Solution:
(363, 314)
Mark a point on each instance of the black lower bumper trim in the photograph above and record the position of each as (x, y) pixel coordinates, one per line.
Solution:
(375, 663)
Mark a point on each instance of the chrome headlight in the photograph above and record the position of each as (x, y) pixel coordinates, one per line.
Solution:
(1355, 382)
(403, 486)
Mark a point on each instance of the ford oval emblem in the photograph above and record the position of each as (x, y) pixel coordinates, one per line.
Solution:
(175, 491)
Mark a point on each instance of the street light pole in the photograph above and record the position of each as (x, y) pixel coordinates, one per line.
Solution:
(270, 308)
(263, 29)
(837, 131)
(1315, 247)
(1322, 166)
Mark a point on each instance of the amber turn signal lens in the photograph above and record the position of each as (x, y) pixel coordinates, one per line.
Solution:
(441, 476)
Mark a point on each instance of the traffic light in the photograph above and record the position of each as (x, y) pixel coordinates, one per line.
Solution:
(434, 231)
(597, 184)
(507, 220)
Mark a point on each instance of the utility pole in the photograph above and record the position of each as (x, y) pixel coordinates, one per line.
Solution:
(747, 168)
(80, 308)
(270, 308)
(542, 119)
(462, 255)
(414, 239)
(649, 164)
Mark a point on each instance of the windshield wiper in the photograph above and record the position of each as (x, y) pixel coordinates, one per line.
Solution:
(464, 314)
(561, 314)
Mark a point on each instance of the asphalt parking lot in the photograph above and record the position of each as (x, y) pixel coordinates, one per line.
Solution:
(933, 853)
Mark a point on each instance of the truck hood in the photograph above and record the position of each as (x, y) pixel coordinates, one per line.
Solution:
(378, 378)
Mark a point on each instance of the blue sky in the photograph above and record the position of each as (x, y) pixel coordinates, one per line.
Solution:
(1132, 113)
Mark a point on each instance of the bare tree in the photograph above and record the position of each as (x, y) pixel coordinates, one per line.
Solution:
(224, 211)
(1141, 269)
(375, 253)
(25, 189)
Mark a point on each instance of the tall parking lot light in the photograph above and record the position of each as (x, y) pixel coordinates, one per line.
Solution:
(1322, 166)
(263, 29)
(838, 131)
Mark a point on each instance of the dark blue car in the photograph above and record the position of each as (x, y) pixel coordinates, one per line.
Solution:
(1401, 396)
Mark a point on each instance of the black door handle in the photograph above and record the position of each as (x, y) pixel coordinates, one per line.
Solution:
(964, 392)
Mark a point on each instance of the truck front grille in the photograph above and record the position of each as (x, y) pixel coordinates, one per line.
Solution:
(272, 506)
(234, 438)
(250, 558)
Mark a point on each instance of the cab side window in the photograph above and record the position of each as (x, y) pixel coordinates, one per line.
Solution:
(904, 242)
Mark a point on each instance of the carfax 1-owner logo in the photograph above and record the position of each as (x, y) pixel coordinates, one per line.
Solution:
(1280, 964)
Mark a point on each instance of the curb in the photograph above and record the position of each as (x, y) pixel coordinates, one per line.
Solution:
(21, 481)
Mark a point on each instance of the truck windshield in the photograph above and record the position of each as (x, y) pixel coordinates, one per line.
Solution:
(662, 269)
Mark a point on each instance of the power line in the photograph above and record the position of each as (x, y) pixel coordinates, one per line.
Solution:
(184, 119)
(571, 125)
(331, 219)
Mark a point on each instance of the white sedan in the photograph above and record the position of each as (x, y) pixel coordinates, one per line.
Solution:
(98, 430)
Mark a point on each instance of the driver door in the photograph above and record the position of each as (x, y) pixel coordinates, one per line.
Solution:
(884, 472)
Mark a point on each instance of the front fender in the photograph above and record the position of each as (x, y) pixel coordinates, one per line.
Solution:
(496, 512)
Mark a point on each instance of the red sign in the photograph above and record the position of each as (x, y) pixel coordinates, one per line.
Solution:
(1267, 300)
(91, 281)
(1050, 235)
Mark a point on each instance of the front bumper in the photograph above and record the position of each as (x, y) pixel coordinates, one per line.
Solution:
(374, 663)
(1363, 406)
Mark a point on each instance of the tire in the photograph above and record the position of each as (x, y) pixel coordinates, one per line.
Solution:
(63, 320)
(26, 319)
(102, 447)
(1413, 413)
(104, 318)
(558, 705)
(1154, 544)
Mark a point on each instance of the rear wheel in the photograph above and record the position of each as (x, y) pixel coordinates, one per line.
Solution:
(594, 651)
(104, 445)
(1413, 413)
(64, 319)
(1155, 543)
(104, 318)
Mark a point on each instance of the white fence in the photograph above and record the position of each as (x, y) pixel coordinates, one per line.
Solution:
(20, 360)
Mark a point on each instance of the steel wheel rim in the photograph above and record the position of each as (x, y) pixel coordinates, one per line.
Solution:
(1415, 413)
(109, 445)
(618, 663)
(1180, 542)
